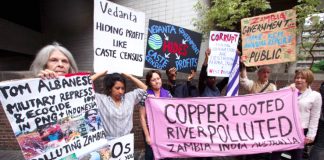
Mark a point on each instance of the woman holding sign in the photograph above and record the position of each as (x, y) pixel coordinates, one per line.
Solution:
(53, 60)
(154, 83)
(309, 103)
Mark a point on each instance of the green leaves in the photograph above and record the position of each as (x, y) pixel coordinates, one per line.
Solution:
(226, 14)
(317, 67)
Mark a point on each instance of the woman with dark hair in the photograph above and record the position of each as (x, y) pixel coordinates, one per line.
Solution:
(115, 106)
(154, 83)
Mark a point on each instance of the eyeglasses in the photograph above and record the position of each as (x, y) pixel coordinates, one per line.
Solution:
(155, 79)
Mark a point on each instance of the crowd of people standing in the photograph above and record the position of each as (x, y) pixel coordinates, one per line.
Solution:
(116, 106)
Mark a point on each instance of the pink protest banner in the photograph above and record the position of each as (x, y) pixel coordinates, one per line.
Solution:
(269, 38)
(224, 126)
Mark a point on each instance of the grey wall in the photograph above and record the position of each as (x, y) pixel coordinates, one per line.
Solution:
(70, 23)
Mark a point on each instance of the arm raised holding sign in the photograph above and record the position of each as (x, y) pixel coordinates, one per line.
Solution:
(208, 86)
(260, 85)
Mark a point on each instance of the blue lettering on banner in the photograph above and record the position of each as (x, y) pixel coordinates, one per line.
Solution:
(278, 38)
(255, 41)
(156, 60)
(186, 63)
(162, 29)
(187, 37)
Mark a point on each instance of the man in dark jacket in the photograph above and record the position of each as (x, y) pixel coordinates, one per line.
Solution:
(180, 90)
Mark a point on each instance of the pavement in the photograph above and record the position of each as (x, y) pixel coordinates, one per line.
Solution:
(17, 155)
(11, 155)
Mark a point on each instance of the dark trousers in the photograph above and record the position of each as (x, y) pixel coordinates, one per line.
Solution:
(296, 154)
(148, 150)
(317, 152)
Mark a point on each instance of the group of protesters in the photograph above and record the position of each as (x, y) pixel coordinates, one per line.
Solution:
(116, 107)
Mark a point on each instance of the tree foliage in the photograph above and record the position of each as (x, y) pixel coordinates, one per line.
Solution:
(310, 29)
(227, 15)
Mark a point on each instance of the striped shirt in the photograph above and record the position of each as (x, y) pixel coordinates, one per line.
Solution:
(118, 120)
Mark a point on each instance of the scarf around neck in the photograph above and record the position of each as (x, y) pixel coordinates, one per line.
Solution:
(163, 92)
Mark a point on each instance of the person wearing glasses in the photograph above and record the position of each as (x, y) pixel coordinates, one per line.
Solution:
(115, 106)
(260, 85)
(53, 60)
(154, 83)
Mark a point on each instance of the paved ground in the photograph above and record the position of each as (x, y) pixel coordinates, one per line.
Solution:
(17, 155)
(11, 155)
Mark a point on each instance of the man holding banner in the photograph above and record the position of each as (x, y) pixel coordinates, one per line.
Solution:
(260, 85)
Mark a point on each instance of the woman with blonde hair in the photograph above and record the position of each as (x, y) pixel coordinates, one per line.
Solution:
(309, 105)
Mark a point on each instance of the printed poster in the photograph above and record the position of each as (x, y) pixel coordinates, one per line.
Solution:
(118, 38)
(172, 46)
(269, 38)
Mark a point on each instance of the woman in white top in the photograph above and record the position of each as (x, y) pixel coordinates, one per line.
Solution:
(309, 104)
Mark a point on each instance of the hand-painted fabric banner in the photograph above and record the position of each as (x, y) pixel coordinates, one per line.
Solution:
(53, 119)
(224, 126)
(269, 38)
(172, 46)
(223, 46)
(118, 38)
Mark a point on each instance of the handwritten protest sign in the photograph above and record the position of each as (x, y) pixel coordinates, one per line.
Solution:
(118, 38)
(172, 46)
(223, 46)
(121, 148)
(223, 126)
(269, 39)
(54, 118)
